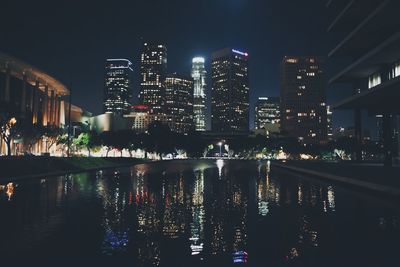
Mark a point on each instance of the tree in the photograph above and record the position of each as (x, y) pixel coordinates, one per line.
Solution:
(52, 135)
(107, 140)
(125, 139)
(32, 135)
(9, 130)
(9, 125)
(86, 140)
(160, 138)
(62, 140)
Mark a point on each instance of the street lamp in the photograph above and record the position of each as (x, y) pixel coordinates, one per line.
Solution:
(220, 149)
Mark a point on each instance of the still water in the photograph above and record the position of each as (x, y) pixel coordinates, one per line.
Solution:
(194, 213)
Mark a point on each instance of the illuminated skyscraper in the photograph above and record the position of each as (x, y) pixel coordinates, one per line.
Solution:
(230, 91)
(179, 102)
(153, 69)
(303, 99)
(117, 87)
(329, 118)
(267, 113)
(199, 94)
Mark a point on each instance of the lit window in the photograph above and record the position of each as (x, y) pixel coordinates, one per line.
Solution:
(291, 60)
(374, 80)
(395, 71)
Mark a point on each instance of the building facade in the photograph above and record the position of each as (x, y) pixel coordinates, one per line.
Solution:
(303, 99)
(368, 46)
(267, 114)
(117, 89)
(140, 118)
(329, 121)
(199, 93)
(31, 96)
(230, 91)
(179, 102)
(153, 71)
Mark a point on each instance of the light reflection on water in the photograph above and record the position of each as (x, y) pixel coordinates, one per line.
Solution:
(198, 213)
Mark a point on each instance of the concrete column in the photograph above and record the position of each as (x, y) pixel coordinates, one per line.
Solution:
(7, 86)
(35, 104)
(387, 140)
(59, 111)
(358, 133)
(56, 110)
(23, 97)
(30, 99)
(45, 107)
(51, 113)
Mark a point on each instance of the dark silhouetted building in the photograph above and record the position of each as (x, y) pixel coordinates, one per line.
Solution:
(179, 102)
(153, 70)
(230, 91)
(303, 99)
(199, 93)
(368, 46)
(117, 91)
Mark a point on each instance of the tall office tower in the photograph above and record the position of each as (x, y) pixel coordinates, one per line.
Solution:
(369, 64)
(199, 94)
(303, 99)
(179, 102)
(267, 114)
(117, 89)
(230, 91)
(329, 118)
(153, 70)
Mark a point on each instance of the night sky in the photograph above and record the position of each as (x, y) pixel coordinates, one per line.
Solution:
(71, 40)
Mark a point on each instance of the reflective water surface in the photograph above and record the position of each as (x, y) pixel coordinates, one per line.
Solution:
(194, 213)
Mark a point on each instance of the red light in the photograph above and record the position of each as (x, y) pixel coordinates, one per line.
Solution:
(140, 107)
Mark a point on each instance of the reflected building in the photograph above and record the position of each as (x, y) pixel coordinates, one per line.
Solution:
(115, 225)
(240, 212)
(174, 214)
(198, 215)
(148, 220)
(268, 193)
(199, 93)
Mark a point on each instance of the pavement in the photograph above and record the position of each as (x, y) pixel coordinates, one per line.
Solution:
(370, 176)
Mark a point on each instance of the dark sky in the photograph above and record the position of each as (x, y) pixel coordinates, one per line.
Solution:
(71, 39)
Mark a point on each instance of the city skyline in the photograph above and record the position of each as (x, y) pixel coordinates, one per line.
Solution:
(160, 133)
(265, 43)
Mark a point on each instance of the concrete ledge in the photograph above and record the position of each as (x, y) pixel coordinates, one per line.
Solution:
(378, 188)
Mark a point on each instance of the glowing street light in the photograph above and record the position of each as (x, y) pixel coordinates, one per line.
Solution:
(220, 149)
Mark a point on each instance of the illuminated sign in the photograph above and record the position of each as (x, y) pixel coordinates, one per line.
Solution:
(140, 107)
(239, 52)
